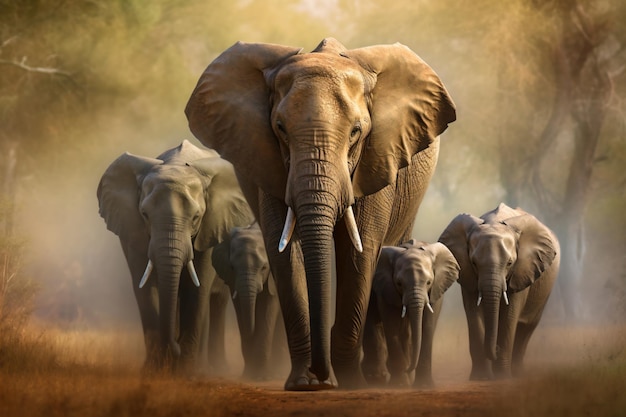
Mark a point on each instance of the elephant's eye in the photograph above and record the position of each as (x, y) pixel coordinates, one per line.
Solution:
(356, 130)
(281, 127)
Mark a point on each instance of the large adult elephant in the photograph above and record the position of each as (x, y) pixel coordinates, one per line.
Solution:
(340, 143)
(407, 296)
(169, 212)
(241, 262)
(509, 261)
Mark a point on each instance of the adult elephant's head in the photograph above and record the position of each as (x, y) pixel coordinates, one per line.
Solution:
(317, 130)
(184, 200)
(497, 258)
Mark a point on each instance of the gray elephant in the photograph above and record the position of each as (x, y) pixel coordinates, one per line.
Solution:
(509, 261)
(169, 213)
(334, 150)
(398, 335)
(241, 261)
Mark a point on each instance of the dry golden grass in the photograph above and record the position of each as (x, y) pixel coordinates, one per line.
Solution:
(50, 372)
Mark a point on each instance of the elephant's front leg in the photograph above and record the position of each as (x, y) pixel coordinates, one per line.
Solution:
(266, 317)
(148, 303)
(507, 327)
(194, 310)
(354, 281)
(288, 270)
(423, 372)
(481, 366)
(396, 336)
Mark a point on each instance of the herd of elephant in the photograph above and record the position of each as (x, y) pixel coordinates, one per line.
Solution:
(315, 165)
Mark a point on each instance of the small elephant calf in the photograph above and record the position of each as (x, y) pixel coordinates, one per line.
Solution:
(398, 334)
(241, 262)
(509, 262)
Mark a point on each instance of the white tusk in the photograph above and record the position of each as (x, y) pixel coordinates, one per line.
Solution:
(146, 274)
(480, 298)
(403, 311)
(506, 297)
(353, 231)
(430, 308)
(290, 224)
(192, 272)
(234, 294)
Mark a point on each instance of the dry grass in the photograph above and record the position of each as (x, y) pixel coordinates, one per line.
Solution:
(46, 371)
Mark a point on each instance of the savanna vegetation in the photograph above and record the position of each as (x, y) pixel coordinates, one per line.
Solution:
(539, 87)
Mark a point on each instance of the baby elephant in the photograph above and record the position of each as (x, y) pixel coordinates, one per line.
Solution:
(398, 334)
(509, 261)
(241, 261)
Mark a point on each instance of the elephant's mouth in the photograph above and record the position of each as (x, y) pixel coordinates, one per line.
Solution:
(348, 215)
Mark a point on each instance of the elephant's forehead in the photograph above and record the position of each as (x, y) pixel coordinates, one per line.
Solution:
(415, 258)
(324, 66)
(493, 234)
(174, 177)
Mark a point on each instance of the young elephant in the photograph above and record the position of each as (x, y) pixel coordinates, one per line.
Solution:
(509, 262)
(169, 212)
(241, 261)
(408, 279)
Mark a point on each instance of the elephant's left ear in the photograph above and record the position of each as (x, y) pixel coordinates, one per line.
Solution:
(410, 109)
(226, 207)
(537, 248)
(446, 269)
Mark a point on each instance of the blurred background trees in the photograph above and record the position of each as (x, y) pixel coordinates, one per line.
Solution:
(539, 87)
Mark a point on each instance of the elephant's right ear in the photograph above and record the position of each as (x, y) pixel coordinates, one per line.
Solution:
(455, 237)
(118, 194)
(229, 111)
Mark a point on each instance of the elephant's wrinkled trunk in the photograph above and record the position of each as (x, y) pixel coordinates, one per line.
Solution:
(316, 233)
(491, 310)
(170, 254)
(416, 305)
(246, 298)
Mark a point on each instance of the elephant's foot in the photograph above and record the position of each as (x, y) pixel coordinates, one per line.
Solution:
(350, 378)
(481, 375)
(424, 382)
(307, 382)
(399, 380)
(377, 379)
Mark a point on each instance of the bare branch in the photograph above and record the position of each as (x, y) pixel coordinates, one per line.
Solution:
(41, 70)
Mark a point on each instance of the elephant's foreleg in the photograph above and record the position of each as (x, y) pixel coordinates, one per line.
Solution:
(216, 350)
(507, 329)
(288, 271)
(423, 372)
(263, 335)
(354, 281)
(148, 303)
(481, 366)
(194, 311)
(374, 363)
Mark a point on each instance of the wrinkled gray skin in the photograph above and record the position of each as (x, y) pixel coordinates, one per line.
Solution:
(320, 133)
(507, 251)
(241, 261)
(396, 343)
(172, 210)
